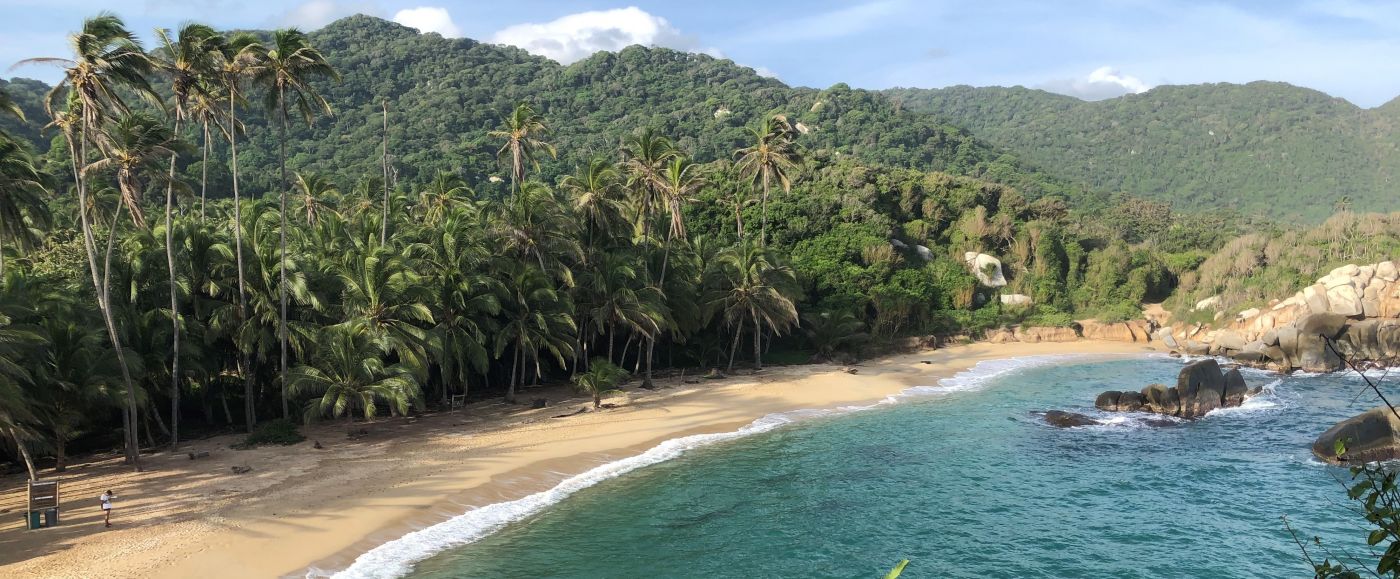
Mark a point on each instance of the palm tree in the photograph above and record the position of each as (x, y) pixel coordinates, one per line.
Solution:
(285, 70)
(535, 226)
(602, 378)
(8, 104)
(446, 191)
(15, 411)
(239, 55)
(258, 331)
(523, 134)
(611, 296)
(134, 148)
(107, 60)
(749, 285)
(23, 207)
(594, 190)
(536, 318)
(771, 156)
(317, 192)
(350, 374)
(189, 60)
(681, 179)
(645, 154)
(467, 298)
(384, 296)
(830, 331)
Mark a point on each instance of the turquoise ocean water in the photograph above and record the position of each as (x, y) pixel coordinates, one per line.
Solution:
(960, 477)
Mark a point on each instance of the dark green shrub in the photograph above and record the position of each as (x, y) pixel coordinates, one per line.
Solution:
(279, 431)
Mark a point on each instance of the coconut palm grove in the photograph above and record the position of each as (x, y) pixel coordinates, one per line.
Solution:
(260, 231)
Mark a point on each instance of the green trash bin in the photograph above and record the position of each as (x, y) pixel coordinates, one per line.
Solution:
(33, 521)
(51, 518)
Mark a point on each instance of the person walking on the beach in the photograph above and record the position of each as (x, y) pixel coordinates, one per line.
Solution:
(106, 499)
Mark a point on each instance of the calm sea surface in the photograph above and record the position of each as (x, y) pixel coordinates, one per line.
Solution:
(962, 479)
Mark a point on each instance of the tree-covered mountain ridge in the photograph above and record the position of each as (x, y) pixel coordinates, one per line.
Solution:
(1263, 148)
(444, 95)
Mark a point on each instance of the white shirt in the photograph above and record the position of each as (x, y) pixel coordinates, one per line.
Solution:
(106, 499)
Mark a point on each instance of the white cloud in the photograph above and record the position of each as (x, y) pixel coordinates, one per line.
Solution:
(574, 37)
(1105, 82)
(314, 14)
(765, 72)
(429, 19)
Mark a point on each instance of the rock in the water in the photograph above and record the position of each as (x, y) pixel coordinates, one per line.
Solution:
(1064, 419)
(1130, 402)
(1235, 389)
(1159, 399)
(1201, 388)
(1108, 401)
(1370, 436)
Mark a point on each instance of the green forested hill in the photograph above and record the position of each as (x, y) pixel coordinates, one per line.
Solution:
(1264, 147)
(445, 94)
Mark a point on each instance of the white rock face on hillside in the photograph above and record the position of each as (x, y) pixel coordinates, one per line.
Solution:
(988, 276)
(1207, 304)
(1016, 299)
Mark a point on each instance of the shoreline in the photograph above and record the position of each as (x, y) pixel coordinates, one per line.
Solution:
(303, 509)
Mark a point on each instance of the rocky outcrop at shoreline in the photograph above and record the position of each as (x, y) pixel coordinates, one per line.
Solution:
(1355, 307)
(1371, 436)
(1200, 388)
(1132, 331)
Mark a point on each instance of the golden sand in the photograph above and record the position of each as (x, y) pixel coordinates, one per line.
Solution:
(301, 507)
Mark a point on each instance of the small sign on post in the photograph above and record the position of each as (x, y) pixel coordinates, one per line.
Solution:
(43, 504)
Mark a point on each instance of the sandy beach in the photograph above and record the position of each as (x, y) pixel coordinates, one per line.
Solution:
(301, 507)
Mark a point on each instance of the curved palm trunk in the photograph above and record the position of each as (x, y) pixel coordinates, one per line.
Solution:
(282, 271)
(763, 234)
(244, 367)
(174, 301)
(734, 347)
(133, 439)
(204, 171)
(514, 368)
(24, 453)
(133, 447)
(384, 225)
(757, 343)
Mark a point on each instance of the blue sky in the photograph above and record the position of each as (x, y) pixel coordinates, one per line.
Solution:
(1091, 49)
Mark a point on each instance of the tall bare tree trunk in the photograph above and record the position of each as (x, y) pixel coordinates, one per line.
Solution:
(24, 453)
(282, 271)
(763, 235)
(514, 367)
(133, 446)
(204, 171)
(250, 415)
(734, 347)
(384, 225)
(757, 343)
(174, 302)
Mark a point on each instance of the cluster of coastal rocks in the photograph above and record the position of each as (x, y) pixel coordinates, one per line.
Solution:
(1356, 307)
(1201, 387)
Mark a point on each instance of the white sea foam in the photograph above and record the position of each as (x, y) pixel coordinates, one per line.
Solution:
(1267, 399)
(397, 557)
